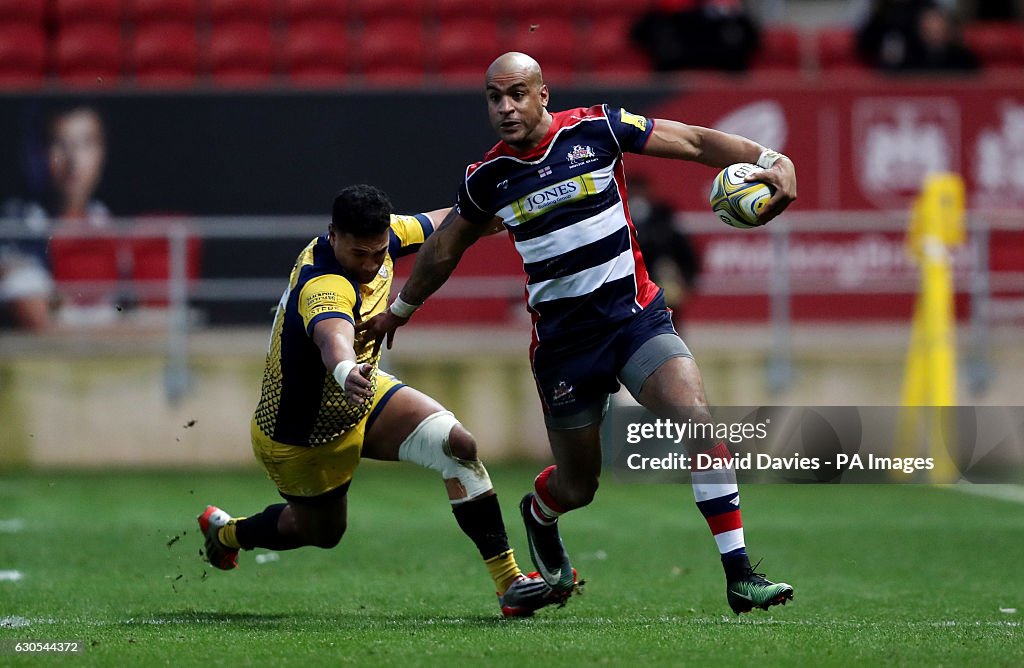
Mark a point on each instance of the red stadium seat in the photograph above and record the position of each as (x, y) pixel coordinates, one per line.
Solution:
(240, 53)
(371, 11)
(611, 52)
(165, 54)
(455, 10)
(555, 44)
(997, 45)
(230, 11)
(22, 11)
(147, 11)
(74, 259)
(22, 55)
(316, 53)
(151, 260)
(67, 12)
(89, 54)
(779, 50)
(539, 10)
(294, 11)
(615, 9)
(465, 47)
(393, 51)
(837, 50)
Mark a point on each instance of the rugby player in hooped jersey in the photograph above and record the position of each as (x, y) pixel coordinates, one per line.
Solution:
(556, 182)
(325, 405)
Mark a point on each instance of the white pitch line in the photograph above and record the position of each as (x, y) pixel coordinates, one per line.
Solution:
(13, 525)
(1012, 493)
(11, 576)
(14, 622)
(589, 622)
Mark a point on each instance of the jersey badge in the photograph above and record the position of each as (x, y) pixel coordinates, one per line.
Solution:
(580, 153)
(638, 122)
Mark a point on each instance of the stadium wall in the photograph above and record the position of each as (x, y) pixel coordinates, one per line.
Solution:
(104, 405)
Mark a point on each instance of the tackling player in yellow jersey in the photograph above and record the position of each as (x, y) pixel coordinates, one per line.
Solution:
(325, 405)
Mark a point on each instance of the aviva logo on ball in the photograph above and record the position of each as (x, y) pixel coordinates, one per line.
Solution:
(737, 202)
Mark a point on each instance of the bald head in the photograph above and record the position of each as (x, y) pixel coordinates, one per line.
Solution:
(515, 62)
(517, 100)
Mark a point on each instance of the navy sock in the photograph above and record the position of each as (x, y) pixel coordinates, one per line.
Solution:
(260, 530)
(735, 563)
(480, 519)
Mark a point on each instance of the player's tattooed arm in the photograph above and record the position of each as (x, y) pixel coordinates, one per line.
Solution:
(439, 256)
(435, 262)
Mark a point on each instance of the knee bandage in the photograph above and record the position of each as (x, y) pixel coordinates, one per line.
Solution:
(427, 446)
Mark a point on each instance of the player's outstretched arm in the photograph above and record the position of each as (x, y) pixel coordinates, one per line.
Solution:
(672, 139)
(334, 337)
(435, 262)
(437, 216)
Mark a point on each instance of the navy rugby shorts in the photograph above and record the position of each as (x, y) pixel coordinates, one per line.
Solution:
(575, 380)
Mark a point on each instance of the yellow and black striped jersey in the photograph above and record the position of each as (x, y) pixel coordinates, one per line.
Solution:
(300, 402)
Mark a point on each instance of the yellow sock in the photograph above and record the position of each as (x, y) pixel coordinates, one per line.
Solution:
(503, 569)
(226, 535)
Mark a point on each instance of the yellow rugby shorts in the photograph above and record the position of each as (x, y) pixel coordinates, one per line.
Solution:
(312, 471)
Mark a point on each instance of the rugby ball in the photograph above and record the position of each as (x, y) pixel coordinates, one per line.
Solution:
(737, 202)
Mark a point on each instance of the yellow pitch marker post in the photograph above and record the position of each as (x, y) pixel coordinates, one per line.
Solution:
(936, 224)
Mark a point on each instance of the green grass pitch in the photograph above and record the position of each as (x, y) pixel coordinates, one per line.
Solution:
(884, 575)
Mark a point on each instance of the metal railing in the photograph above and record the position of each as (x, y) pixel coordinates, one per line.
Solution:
(180, 291)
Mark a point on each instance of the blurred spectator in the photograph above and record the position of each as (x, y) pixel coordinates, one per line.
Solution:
(697, 34)
(25, 284)
(668, 251)
(75, 156)
(912, 35)
(939, 45)
(884, 38)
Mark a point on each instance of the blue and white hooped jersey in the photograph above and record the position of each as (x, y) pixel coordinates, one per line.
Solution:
(564, 205)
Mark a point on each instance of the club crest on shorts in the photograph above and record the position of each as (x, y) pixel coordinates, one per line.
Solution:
(562, 393)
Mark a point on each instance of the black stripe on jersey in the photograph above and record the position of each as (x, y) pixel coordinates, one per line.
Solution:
(395, 249)
(379, 408)
(394, 244)
(302, 379)
(324, 259)
(568, 214)
(498, 181)
(302, 368)
(580, 258)
(575, 316)
(326, 316)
